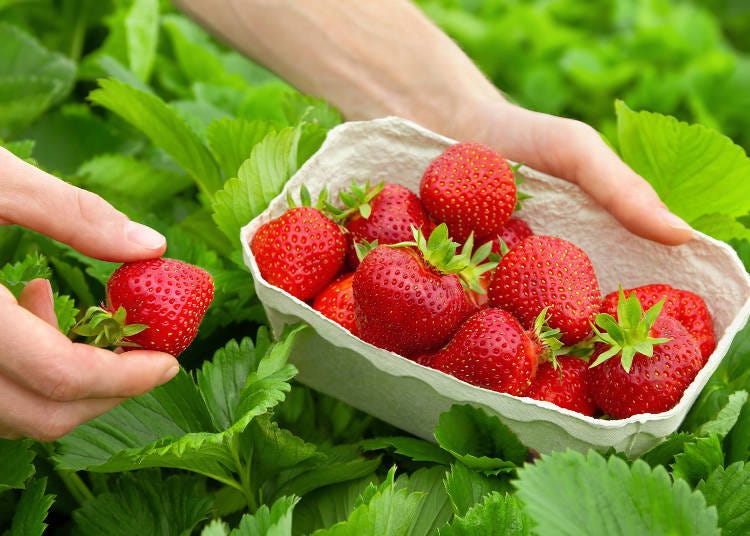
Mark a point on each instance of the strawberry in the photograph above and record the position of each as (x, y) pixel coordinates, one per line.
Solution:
(642, 362)
(386, 213)
(491, 350)
(471, 188)
(336, 302)
(162, 300)
(685, 306)
(547, 271)
(409, 298)
(565, 385)
(302, 251)
(514, 230)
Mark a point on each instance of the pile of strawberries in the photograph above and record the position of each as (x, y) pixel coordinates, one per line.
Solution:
(452, 278)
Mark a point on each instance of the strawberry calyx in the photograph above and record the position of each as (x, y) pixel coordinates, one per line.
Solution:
(442, 254)
(629, 334)
(305, 199)
(106, 329)
(547, 338)
(356, 200)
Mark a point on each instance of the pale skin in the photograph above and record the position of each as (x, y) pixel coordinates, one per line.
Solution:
(369, 59)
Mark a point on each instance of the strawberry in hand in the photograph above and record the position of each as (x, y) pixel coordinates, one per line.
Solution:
(642, 362)
(411, 297)
(155, 304)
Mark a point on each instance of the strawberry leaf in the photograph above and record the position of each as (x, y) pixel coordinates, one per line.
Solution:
(16, 463)
(144, 502)
(479, 441)
(728, 489)
(435, 509)
(609, 496)
(273, 521)
(467, 488)
(32, 510)
(699, 459)
(498, 514)
(415, 449)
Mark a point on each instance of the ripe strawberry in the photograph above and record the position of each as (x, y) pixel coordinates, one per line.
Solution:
(336, 302)
(514, 230)
(410, 298)
(386, 213)
(162, 300)
(471, 188)
(491, 350)
(301, 251)
(642, 363)
(565, 385)
(685, 306)
(547, 271)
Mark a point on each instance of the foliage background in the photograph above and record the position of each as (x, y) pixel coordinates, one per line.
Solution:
(130, 99)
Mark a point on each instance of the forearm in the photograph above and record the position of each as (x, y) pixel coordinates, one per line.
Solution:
(359, 56)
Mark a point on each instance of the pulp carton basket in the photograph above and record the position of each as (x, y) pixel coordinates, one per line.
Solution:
(411, 396)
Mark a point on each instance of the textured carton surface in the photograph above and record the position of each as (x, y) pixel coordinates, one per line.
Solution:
(411, 396)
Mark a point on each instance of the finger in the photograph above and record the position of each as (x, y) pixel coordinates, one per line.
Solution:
(23, 413)
(40, 358)
(36, 297)
(83, 220)
(574, 151)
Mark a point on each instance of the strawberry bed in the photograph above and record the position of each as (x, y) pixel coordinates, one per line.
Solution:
(335, 362)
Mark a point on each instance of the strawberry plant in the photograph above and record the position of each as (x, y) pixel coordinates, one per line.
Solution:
(132, 100)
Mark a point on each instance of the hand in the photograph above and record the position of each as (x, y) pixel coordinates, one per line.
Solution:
(372, 59)
(49, 384)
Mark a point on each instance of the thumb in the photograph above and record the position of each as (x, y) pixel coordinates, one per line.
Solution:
(574, 151)
(41, 202)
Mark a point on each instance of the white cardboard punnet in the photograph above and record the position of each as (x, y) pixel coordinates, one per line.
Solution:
(411, 396)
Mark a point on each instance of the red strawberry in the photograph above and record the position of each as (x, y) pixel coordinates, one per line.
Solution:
(337, 302)
(565, 385)
(471, 188)
(491, 350)
(514, 230)
(386, 213)
(547, 271)
(301, 251)
(162, 300)
(685, 306)
(642, 362)
(411, 299)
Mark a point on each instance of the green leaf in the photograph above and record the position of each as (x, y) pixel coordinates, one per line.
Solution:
(231, 141)
(16, 467)
(467, 488)
(480, 441)
(383, 511)
(572, 493)
(65, 311)
(164, 127)
(665, 452)
(700, 458)
(324, 507)
(145, 503)
(497, 515)
(727, 417)
(683, 162)
(32, 78)
(15, 276)
(435, 509)
(729, 491)
(172, 425)
(32, 510)
(721, 227)
(413, 448)
(260, 178)
(142, 35)
(274, 521)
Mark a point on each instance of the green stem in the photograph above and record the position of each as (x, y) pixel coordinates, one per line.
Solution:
(75, 484)
(79, 31)
(244, 470)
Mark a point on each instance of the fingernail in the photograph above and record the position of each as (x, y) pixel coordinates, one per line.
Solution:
(144, 236)
(171, 373)
(674, 221)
